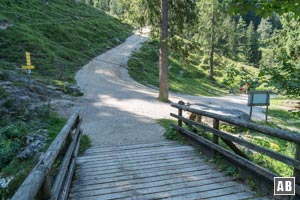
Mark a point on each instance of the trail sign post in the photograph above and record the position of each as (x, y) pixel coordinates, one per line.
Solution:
(259, 98)
(28, 67)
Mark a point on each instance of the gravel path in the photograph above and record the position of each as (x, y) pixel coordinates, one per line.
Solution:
(117, 110)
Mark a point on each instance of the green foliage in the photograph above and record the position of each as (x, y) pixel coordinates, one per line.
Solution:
(253, 54)
(85, 143)
(184, 77)
(3, 93)
(265, 29)
(170, 133)
(61, 35)
(283, 61)
(263, 8)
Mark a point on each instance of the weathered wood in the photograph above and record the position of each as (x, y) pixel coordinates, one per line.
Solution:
(234, 157)
(34, 181)
(67, 183)
(282, 158)
(216, 125)
(180, 113)
(64, 166)
(163, 177)
(297, 170)
(234, 148)
(285, 135)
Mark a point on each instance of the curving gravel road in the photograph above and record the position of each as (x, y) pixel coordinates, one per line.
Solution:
(117, 110)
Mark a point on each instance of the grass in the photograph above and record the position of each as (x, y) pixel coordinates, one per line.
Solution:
(85, 143)
(143, 67)
(170, 133)
(60, 35)
(190, 75)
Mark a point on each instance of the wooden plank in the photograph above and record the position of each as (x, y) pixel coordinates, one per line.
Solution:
(154, 182)
(141, 163)
(169, 166)
(141, 152)
(285, 135)
(206, 194)
(280, 157)
(234, 196)
(131, 159)
(163, 191)
(148, 173)
(134, 146)
(146, 181)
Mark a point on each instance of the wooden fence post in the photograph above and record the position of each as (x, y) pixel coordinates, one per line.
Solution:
(297, 157)
(216, 125)
(180, 113)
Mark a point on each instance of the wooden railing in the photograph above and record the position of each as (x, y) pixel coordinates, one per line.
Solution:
(38, 184)
(237, 155)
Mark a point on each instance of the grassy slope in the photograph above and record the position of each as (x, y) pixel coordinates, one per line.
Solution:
(191, 76)
(61, 35)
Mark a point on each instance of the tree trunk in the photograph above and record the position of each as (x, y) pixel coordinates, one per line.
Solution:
(212, 40)
(163, 57)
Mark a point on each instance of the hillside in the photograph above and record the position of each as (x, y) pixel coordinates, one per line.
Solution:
(190, 75)
(61, 35)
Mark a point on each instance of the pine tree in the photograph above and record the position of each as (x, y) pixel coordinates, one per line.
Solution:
(253, 53)
(265, 29)
(241, 37)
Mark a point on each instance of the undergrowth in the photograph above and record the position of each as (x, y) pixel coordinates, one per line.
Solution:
(190, 75)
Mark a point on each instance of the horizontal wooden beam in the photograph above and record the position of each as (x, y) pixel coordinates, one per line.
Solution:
(60, 177)
(285, 135)
(234, 157)
(33, 182)
(277, 156)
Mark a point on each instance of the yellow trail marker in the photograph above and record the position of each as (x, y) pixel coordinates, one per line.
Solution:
(28, 60)
(28, 67)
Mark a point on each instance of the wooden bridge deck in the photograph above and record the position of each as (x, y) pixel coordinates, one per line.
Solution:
(164, 170)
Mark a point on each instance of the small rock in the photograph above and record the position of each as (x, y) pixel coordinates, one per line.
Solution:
(5, 181)
(51, 87)
(4, 25)
(73, 89)
(117, 40)
(31, 150)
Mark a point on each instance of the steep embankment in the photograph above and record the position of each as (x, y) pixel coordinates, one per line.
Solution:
(61, 35)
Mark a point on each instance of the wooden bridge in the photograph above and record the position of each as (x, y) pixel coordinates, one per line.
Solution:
(165, 170)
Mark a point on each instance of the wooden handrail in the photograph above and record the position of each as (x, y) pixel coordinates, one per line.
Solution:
(37, 182)
(285, 135)
(236, 154)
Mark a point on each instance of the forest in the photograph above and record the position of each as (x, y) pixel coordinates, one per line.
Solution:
(259, 45)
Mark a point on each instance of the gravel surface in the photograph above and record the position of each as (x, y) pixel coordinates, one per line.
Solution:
(118, 111)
